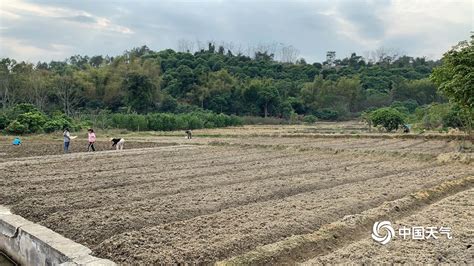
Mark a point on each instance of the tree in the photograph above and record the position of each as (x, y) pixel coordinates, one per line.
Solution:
(267, 95)
(40, 81)
(216, 89)
(261, 94)
(140, 91)
(68, 93)
(288, 54)
(455, 77)
(220, 78)
(423, 91)
(311, 91)
(6, 66)
(387, 117)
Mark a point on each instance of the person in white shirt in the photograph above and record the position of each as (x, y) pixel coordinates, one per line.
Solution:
(118, 143)
(67, 139)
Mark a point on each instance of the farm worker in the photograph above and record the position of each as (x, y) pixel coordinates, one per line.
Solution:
(67, 139)
(406, 128)
(91, 137)
(189, 134)
(118, 143)
(16, 141)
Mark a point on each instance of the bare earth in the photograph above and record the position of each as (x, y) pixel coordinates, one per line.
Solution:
(173, 200)
(456, 210)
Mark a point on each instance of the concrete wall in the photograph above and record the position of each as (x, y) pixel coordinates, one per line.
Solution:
(32, 244)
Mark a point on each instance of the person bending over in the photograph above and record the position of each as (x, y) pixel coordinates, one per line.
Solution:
(118, 143)
(189, 134)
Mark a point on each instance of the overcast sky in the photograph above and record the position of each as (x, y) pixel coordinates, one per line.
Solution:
(56, 29)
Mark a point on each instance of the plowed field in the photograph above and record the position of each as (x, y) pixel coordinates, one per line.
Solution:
(213, 198)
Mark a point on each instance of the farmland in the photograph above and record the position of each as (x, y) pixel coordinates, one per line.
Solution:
(228, 193)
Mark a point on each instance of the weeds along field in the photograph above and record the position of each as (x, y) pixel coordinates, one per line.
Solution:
(247, 195)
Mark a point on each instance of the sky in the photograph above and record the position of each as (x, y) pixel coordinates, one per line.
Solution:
(46, 30)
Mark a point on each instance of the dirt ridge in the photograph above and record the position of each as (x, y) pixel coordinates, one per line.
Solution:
(330, 236)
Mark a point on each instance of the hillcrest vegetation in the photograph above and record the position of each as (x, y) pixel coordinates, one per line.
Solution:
(144, 89)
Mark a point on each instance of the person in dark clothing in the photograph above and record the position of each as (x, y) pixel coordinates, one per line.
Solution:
(189, 134)
(406, 129)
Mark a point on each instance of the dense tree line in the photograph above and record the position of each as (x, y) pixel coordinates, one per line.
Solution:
(144, 81)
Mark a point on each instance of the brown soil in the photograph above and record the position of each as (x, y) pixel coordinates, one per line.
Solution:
(208, 202)
(456, 211)
(51, 147)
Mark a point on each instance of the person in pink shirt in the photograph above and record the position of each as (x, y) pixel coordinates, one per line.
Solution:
(91, 137)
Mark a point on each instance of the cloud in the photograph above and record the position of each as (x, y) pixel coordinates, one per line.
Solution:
(18, 49)
(427, 28)
(417, 27)
(19, 9)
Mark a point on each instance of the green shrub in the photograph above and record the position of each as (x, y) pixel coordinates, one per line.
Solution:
(194, 122)
(431, 116)
(408, 106)
(132, 122)
(310, 119)
(234, 120)
(22, 108)
(187, 108)
(258, 120)
(454, 118)
(16, 127)
(327, 114)
(33, 121)
(52, 125)
(58, 123)
(168, 122)
(389, 118)
(137, 122)
(4, 121)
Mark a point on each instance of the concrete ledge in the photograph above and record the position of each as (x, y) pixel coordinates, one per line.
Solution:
(32, 244)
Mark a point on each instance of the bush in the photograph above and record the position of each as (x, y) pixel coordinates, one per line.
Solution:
(194, 122)
(187, 108)
(15, 127)
(52, 125)
(310, 119)
(22, 108)
(327, 114)
(431, 116)
(455, 118)
(132, 122)
(387, 117)
(59, 123)
(4, 121)
(234, 120)
(165, 122)
(258, 120)
(169, 121)
(33, 121)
